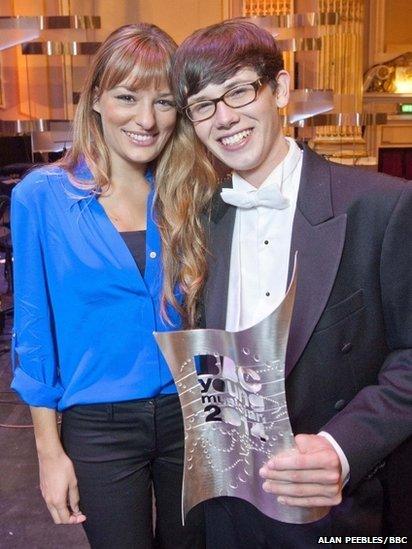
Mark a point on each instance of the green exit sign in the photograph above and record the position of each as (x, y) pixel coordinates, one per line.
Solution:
(405, 108)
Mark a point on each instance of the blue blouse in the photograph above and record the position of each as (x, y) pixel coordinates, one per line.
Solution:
(84, 316)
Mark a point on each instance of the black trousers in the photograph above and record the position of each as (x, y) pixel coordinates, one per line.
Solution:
(233, 523)
(122, 454)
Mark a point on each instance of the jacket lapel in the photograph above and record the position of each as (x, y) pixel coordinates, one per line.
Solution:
(318, 237)
(220, 239)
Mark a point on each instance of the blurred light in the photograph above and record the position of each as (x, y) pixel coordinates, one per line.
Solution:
(403, 79)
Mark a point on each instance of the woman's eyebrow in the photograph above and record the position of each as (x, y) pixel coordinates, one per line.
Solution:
(124, 88)
(137, 90)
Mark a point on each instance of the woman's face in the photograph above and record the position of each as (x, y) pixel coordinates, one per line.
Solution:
(136, 123)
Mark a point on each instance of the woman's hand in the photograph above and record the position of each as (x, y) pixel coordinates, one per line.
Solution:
(58, 486)
(58, 481)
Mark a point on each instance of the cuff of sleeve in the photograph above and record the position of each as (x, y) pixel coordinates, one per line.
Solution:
(34, 392)
(343, 460)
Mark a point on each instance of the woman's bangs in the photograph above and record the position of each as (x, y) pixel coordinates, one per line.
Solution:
(139, 69)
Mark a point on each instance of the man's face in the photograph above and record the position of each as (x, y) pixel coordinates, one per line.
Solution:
(247, 139)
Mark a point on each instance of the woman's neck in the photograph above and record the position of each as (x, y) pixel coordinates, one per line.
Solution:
(125, 199)
(125, 180)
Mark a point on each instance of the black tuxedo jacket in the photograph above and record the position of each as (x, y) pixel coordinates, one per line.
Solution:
(349, 357)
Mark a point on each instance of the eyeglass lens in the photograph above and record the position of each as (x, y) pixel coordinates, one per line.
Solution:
(236, 97)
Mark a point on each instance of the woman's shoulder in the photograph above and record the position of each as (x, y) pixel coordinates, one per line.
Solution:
(37, 183)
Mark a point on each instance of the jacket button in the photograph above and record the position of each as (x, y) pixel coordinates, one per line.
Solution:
(346, 347)
(340, 404)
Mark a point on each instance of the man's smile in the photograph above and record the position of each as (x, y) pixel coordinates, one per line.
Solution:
(232, 141)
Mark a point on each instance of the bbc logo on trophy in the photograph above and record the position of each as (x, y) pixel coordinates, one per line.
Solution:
(235, 415)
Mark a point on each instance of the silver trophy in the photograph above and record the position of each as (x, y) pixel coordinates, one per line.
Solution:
(235, 417)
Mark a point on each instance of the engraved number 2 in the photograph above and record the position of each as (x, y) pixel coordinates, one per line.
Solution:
(214, 412)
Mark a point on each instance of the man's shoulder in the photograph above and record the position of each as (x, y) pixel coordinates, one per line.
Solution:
(359, 176)
(352, 184)
(342, 173)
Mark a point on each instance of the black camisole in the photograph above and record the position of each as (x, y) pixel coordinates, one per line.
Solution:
(136, 242)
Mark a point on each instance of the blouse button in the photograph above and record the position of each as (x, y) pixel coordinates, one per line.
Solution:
(152, 255)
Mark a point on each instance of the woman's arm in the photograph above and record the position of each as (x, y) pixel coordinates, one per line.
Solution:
(36, 372)
(57, 477)
(34, 354)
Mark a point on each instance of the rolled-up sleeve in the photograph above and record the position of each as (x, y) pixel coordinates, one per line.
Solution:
(36, 373)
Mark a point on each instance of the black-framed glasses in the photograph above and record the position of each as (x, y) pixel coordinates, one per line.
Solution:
(236, 97)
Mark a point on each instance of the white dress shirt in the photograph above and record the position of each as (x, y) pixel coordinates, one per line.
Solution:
(259, 260)
(262, 236)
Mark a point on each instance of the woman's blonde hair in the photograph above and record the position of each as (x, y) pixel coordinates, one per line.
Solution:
(186, 183)
(141, 54)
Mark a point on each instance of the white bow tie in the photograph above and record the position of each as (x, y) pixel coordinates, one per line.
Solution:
(269, 196)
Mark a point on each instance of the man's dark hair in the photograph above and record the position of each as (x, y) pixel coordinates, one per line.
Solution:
(216, 53)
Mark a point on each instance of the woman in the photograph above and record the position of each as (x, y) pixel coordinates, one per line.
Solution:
(90, 289)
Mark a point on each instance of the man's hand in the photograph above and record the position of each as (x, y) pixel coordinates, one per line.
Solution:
(59, 489)
(306, 476)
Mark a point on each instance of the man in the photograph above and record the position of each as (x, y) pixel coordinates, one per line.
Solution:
(349, 357)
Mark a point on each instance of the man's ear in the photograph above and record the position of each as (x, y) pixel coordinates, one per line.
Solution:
(282, 89)
(96, 101)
